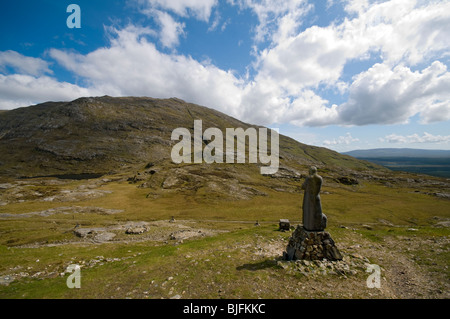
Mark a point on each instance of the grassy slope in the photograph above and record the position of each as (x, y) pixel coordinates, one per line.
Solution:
(217, 266)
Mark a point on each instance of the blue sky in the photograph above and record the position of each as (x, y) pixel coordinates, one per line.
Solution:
(351, 74)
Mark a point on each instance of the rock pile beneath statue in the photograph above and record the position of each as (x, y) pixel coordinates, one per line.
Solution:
(311, 245)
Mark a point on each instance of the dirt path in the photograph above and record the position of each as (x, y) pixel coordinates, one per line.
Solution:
(409, 267)
(407, 278)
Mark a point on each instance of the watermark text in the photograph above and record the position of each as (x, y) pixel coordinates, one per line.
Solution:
(74, 280)
(235, 146)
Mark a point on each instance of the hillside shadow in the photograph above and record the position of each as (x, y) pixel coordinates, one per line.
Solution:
(265, 264)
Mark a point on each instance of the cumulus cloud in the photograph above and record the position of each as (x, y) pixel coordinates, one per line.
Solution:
(416, 138)
(389, 92)
(140, 69)
(171, 30)
(264, 102)
(19, 90)
(384, 96)
(23, 64)
(409, 39)
(347, 139)
(315, 56)
(410, 31)
(397, 28)
(277, 18)
(31, 85)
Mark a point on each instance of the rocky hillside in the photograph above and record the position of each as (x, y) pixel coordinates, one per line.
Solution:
(104, 135)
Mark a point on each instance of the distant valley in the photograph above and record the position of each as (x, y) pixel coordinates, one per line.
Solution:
(430, 162)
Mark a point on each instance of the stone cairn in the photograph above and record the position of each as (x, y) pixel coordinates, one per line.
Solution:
(311, 245)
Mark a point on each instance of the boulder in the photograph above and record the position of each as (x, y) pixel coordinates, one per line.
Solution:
(284, 224)
(136, 230)
(95, 234)
(347, 180)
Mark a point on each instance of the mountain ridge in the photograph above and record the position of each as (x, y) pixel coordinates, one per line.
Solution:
(112, 134)
(419, 161)
(402, 152)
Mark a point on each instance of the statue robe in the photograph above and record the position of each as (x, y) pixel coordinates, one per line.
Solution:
(313, 219)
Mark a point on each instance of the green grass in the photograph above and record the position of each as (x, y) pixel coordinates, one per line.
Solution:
(154, 263)
(210, 267)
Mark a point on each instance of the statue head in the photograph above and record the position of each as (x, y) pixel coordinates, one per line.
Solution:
(312, 170)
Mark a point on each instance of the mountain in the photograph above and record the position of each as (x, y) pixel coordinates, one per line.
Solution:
(431, 162)
(94, 136)
(398, 152)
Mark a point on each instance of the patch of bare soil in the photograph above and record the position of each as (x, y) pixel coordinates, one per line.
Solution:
(417, 274)
(50, 190)
(66, 210)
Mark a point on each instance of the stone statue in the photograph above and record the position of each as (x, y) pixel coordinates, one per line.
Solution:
(313, 218)
(310, 241)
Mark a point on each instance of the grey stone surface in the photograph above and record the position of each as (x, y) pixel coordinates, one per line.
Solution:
(6, 280)
(284, 224)
(103, 237)
(136, 230)
(313, 218)
(311, 245)
(98, 234)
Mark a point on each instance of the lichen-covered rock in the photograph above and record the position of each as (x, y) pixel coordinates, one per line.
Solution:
(95, 234)
(136, 230)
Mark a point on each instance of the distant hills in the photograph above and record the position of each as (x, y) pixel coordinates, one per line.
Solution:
(399, 152)
(431, 162)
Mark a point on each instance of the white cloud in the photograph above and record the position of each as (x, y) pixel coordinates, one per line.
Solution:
(397, 28)
(287, 72)
(356, 6)
(389, 92)
(416, 138)
(22, 90)
(140, 69)
(201, 9)
(30, 85)
(347, 139)
(409, 31)
(225, 24)
(384, 96)
(133, 66)
(171, 30)
(264, 102)
(23, 64)
(277, 18)
(215, 22)
(315, 56)
(436, 112)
